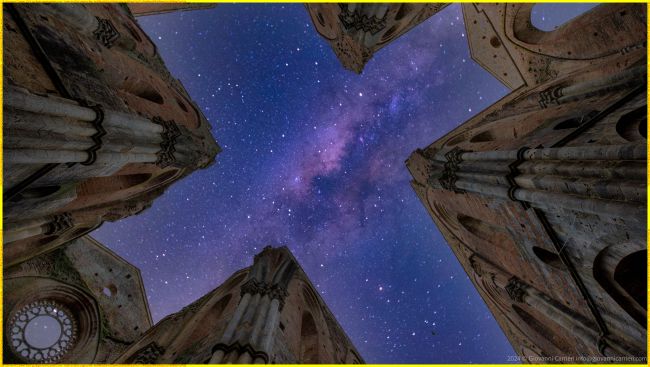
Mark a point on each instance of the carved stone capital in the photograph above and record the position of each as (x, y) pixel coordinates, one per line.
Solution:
(354, 20)
(550, 96)
(98, 135)
(241, 349)
(517, 290)
(274, 291)
(171, 131)
(106, 33)
(455, 156)
(148, 354)
(59, 224)
(448, 178)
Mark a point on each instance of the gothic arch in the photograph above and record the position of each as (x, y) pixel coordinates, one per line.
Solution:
(311, 300)
(456, 139)
(621, 271)
(235, 281)
(308, 339)
(541, 326)
(487, 232)
(141, 88)
(444, 215)
(581, 38)
(483, 137)
(108, 184)
(203, 327)
(549, 258)
(632, 126)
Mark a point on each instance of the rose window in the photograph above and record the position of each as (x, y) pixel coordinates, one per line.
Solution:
(42, 332)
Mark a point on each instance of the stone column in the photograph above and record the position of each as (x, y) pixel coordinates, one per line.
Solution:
(497, 173)
(520, 292)
(248, 338)
(43, 122)
(271, 324)
(25, 229)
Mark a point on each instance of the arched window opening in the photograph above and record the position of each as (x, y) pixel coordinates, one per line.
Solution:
(549, 258)
(36, 192)
(455, 140)
(202, 327)
(630, 274)
(143, 90)
(320, 18)
(102, 185)
(549, 16)
(403, 10)
(575, 121)
(487, 232)
(633, 125)
(181, 105)
(541, 326)
(568, 124)
(621, 272)
(213, 315)
(235, 282)
(483, 137)
(308, 340)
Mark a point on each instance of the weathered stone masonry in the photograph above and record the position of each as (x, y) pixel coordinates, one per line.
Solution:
(95, 126)
(542, 196)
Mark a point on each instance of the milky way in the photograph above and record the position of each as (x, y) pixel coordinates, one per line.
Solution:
(313, 158)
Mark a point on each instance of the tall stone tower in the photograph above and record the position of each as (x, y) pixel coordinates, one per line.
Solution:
(95, 127)
(357, 31)
(267, 313)
(80, 303)
(542, 196)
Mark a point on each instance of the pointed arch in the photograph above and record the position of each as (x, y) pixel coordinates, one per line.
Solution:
(621, 271)
(308, 339)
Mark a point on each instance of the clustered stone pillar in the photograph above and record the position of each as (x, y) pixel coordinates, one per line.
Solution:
(85, 141)
(249, 335)
(539, 178)
(56, 130)
(521, 292)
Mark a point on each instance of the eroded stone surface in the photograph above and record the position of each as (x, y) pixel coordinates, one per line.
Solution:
(95, 126)
(267, 313)
(542, 196)
(357, 31)
(100, 293)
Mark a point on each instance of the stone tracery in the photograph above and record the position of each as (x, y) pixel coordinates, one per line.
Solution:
(22, 329)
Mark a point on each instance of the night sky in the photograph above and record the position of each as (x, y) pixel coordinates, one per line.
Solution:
(313, 158)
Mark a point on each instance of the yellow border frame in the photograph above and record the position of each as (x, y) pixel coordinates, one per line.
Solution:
(258, 1)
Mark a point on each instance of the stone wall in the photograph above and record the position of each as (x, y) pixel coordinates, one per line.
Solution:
(95, 126)
(542, 196)
(95, 294)
(268, 313)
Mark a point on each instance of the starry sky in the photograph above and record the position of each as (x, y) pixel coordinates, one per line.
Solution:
(313, 158)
